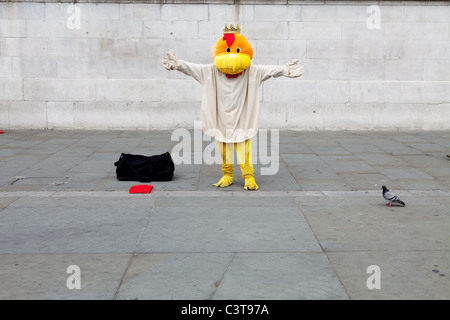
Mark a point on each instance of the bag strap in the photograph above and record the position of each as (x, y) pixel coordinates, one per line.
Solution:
(131, 167)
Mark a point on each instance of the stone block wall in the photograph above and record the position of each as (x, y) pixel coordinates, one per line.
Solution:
(368, 65)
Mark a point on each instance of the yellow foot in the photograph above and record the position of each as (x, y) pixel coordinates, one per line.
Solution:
(224, 182)
(250, 184)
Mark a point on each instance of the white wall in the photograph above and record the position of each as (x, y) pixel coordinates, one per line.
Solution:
(108, 73)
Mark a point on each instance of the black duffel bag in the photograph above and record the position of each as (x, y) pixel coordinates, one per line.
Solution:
(134, 167)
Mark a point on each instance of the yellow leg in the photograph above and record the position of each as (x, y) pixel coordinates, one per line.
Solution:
(226, 158)
(244, 156)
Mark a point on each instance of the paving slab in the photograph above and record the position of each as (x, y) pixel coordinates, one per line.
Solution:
(277, 177)
(80, 181)
(355, 146)
(403, 173)
(426, 184)
(62, 225)
(425, 161)
(45, 276)
(329, 150)
(4, 202)
(233, 202)
(292, 148)
(323, 184)
(351, 167)
(382, 159)
(379, 227)
(398, 149)
(314, 172)
(259, 276)
(404, 275)
(364, 181)
(293, 160)
(169, 276)
(231, 227)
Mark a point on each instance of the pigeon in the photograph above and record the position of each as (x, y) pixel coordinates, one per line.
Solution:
(391, 198)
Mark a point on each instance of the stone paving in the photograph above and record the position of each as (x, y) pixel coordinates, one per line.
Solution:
(312, 231)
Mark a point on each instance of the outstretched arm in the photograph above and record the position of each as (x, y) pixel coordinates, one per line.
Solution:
(197, 71)
(291, 70)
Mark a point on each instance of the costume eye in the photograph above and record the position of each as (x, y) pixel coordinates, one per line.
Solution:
(228, 49)
(238, 50)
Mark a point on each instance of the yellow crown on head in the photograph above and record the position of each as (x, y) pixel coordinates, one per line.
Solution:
(232, 29)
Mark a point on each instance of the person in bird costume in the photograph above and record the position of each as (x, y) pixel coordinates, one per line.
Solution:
(230, 102)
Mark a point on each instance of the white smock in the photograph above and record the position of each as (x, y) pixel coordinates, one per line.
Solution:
(230, 106)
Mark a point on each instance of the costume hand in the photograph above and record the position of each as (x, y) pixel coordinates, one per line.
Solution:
(170, 61)
(293, 69)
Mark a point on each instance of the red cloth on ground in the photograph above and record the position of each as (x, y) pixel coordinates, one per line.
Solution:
(142, 188)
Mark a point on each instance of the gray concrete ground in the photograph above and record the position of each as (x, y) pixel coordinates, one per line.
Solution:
(312, 231)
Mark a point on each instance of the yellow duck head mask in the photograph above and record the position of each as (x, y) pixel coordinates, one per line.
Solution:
(232, 53)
